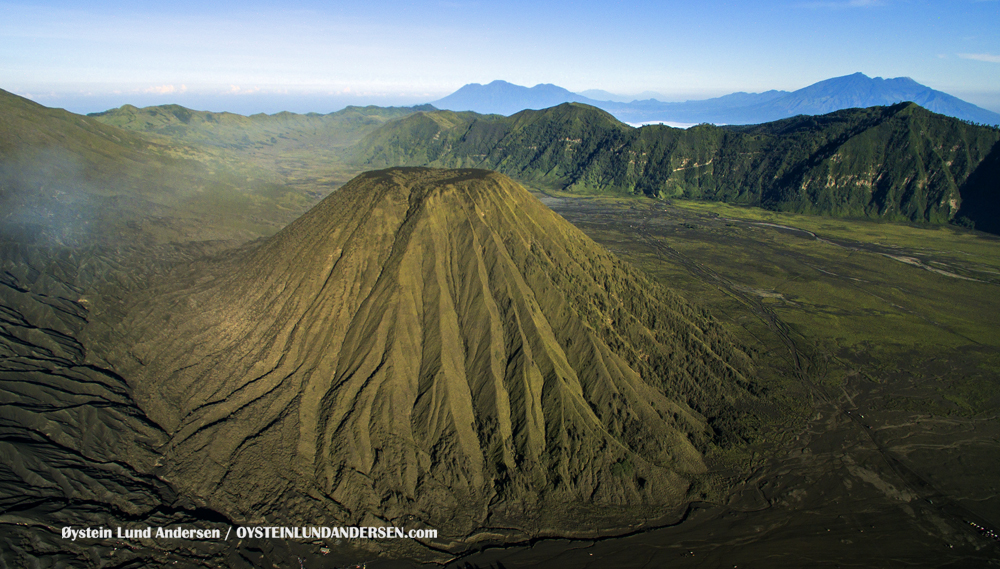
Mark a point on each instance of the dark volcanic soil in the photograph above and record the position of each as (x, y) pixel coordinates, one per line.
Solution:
(882, 474)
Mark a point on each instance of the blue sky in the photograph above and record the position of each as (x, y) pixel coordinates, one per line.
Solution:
(301, 56)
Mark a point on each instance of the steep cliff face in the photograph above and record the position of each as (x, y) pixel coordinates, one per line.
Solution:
(436, 346)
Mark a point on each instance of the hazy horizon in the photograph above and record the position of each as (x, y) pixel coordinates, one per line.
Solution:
(311, 57)
(267, 103)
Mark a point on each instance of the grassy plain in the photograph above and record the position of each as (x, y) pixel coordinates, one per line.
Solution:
(859, 298)
(889, 331)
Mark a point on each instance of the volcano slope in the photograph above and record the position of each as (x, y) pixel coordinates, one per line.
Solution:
(434, 347)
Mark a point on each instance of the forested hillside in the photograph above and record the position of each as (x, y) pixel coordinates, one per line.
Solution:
(899, 162)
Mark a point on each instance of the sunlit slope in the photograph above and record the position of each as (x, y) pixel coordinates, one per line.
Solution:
(70, 179)
(230, 130)
(305, 152)
(899, 162)
(435, 344)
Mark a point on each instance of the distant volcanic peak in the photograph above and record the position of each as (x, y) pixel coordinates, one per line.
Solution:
(440, 337)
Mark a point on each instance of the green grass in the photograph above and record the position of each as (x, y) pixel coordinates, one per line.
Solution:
(927, 340)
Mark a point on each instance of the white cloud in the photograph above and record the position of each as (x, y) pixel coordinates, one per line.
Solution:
(988, 57)
(165, 89)
(237, 90)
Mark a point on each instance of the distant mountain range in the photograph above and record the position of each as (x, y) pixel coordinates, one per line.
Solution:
(503, 98)
(850, 91)
(896, 162)
(602, 95)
